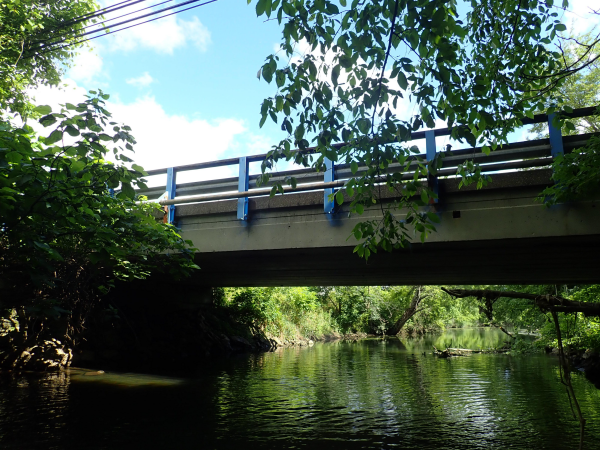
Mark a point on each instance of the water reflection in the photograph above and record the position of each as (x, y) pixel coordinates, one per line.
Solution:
(368, 394)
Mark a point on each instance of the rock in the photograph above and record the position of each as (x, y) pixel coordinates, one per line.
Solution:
(589, 353)
(311, 342)
(240, 344)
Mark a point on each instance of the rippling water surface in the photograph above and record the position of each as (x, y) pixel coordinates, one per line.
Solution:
(367, 394)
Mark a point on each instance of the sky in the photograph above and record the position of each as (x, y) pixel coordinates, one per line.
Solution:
(187, 84)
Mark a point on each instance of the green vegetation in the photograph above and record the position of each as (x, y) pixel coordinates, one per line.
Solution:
(70, 223)
(26, 26)
(289, 313)
(65, 236)
(579, 331)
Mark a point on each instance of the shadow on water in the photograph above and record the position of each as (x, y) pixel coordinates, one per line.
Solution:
(366, 394)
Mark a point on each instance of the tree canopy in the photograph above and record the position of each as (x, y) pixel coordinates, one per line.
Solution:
(25, 27)
(480, 68)
(65, 235)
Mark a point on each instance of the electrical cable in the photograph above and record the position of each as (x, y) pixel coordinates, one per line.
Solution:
(53, 44)
(101, 12)
(98, 24)
(52, 47)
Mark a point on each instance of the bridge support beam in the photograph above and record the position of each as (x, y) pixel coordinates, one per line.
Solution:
(171, 193)
(430, 150)
(243, 185)
(329, 205)
(556, 140)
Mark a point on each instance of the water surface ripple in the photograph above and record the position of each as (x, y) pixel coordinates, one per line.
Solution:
(367, 394)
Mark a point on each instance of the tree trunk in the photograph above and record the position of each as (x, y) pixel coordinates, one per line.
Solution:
(409, 313)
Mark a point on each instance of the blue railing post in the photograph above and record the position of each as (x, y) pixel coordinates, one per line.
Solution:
(243, 186)
(556, 141)
(328, 205)
(171, 193)
(430, 152)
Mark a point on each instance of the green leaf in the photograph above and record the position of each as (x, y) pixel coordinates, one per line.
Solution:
(433, 217)
(47, 120)
(54, 137)
(76, 166)
(13, 157)
(138, 169)
(402, 81)
(127, 190)
(71, 130)
(339, 197)
(43, 109)
(354, 167)
(363, 125)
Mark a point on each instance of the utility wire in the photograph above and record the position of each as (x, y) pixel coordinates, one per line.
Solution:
(52, 47)
(101, 12)
(99, 24)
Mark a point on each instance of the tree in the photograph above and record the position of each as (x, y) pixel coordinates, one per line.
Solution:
(25, 27)
(583, 88)
(65, 236)
(481, 70)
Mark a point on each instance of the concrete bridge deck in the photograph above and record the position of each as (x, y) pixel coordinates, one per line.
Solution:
(497, 235)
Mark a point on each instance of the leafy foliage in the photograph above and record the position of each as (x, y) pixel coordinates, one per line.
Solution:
(65, 236)
(576, 174)
(583, 88)
(26, 26)
(481, 71)
(282, 312)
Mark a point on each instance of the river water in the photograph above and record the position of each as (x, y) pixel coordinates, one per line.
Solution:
(344, 395)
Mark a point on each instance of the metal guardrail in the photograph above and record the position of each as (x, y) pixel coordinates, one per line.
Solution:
(520, 155)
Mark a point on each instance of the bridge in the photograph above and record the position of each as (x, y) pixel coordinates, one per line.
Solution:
(499, 234)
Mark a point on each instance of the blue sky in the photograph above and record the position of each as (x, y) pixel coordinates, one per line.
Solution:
(187, 84)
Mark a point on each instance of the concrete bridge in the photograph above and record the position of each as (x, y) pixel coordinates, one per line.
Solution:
(498, 234)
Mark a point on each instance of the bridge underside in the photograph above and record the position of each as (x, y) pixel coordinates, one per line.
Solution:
(496, 235)
(570, 260)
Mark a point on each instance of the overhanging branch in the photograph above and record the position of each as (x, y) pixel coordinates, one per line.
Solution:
(545, 302)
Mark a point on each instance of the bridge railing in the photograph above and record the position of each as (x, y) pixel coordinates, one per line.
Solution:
(513, 156)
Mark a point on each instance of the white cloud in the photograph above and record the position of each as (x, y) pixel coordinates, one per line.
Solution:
(87, 67)
(143, 80)
(167, 140)
(163, 36)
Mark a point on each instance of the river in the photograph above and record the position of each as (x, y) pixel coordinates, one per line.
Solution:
(343, 395)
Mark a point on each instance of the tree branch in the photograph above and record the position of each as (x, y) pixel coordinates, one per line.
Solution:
(387, 55)
(545, 302)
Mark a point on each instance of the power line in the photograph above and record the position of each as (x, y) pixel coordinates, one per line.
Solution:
(102, 11)
(52, 47)
(99, 24)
